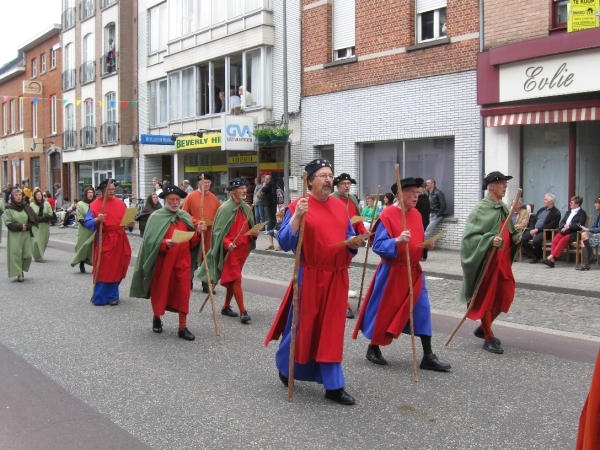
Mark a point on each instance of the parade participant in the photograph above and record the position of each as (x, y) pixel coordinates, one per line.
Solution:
(588, 436)
(26, 191)
(41, 233)
(20, 220)
(497, 289)
(225, 261)
(85, 238)
(322, 286)
(202, 205)
(116, 251)
(2, 208)
(385, 311)
(169, 260)
(343, 183)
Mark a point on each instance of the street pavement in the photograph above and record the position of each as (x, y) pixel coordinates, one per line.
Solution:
(76, 376)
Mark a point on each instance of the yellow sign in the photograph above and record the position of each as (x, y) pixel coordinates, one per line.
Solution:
(582, 15)
(271, 166)
(212, 140)
(249, 159)
(200, 169)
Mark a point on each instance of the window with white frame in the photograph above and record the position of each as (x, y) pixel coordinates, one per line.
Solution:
(69, 57)
(53, 114)
(4, 119)
(33, 68)
(158, 28)
(12, 116)
(52, 59)
(182, 94)
(42, 63)
(110, 127)
(34, 119)
(343, 30)
(89, 131)
(69, 136)
(21, 117)
(431, 20)
(158, 106)
(174, 95)
(88, 47)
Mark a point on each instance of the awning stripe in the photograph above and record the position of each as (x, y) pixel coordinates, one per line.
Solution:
(541, 117)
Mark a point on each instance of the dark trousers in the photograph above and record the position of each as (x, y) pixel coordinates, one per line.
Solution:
(532, 249)
(269, 212)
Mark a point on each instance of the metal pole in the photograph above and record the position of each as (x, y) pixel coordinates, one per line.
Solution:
(286, 120)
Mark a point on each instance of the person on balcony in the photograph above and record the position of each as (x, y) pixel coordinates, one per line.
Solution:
(111, 57)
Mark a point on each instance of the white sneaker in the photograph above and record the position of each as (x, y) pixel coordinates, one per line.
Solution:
(352, 294)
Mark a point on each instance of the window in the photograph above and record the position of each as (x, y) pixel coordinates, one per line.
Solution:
(42, 63)
(88, 136)
(35, 171)
(21, 121)
(158, 106)
(12, 116)
(53, 114)
(88, 68)
(431, 20)
(68, 76)
(110, 127)
(109, 62)
(86, 9)
(158, 28)
(4, 119)
(174, 96)
(69, 134)
(343, 29)
(88, 47)
(559, 13)
(34, 121)
(68, 15)
(52, 59)
(33, 68)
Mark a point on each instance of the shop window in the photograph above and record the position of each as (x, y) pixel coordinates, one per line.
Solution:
(559, 13)
(158, 102)
(431, 20)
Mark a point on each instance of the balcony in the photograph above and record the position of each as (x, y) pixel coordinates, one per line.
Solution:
(86, 9)
(68, 79)
(87, 72)
(110, 133)
(69, 139)
(68, 18)
(108, 64)
(88, 137)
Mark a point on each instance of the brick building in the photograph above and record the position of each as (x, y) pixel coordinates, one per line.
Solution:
(394, 82)
(540, 100)
(99, 72)
(31, 117)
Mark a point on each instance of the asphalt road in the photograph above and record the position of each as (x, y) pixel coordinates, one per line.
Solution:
(76, 376)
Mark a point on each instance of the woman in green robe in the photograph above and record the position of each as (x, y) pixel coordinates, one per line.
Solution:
(85, 238)
(20, 220)
(1, 214)
(41, 233)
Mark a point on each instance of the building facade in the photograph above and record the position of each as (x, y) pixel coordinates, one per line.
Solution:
(540, 101)
(99, 71)
(394, 85)
(31, 117)
(201, 61)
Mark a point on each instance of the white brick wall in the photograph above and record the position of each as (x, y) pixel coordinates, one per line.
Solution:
(443, 105)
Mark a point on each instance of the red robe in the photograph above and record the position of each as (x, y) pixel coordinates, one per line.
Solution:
(588, 437)
(170, 287)
(116, 251)
(323, 284)
(351, 211)
(232, 267)
(394, 309)
(192, 205)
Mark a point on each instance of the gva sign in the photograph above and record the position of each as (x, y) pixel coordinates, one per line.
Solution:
(236, 132)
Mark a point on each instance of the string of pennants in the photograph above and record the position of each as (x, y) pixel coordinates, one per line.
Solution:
(112, 104)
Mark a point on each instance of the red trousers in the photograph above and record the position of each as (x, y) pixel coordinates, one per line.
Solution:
(559, 243)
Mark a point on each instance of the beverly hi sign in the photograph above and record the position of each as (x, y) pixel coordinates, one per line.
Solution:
(567, 73)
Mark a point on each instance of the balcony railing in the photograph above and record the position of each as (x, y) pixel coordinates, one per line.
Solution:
(110, 132)
(68, 18)
(87, 72)
(68, 79)
(88, 137)
(106, 3)
(108, 64)
(69, 139)
(86, 9)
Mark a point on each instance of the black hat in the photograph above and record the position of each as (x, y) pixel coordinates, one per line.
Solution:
(494, 176)
(207, 176)
(103, 185)
(407, 182)
(315, 165)
(172, 189)
(343, 177)
(236, 183)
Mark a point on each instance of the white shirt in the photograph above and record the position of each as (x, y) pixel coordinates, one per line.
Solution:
(573, 212)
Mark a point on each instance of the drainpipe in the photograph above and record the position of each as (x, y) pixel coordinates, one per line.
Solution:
(481, 123)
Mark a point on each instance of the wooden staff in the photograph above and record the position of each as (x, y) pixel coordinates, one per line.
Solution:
(203, 254)
(488, 259)
(295, 298)
(96, 268)
(362, 281)
(410, 282)
(229, 253)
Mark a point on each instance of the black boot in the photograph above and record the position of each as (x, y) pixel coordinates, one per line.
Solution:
(82, 267)
(587, 251)
(374, 355)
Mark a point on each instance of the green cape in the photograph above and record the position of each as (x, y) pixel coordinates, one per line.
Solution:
(156, 228)
(351, 196)
(222, 223)
(84, 246)
(483, 225)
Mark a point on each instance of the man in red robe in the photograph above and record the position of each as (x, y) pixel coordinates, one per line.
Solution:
(202, 205)
(588, 436)
(322, 286)
(111, 267)
(343, 182)
(164, 266)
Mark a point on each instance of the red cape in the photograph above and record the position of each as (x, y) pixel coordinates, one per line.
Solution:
(233, 265)
(588, 437)
(351, 211)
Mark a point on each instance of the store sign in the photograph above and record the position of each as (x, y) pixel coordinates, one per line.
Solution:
(212, 140)
(237, 133)
(582, 15)
(250, 159)
(156, 139)
(568, 73)
(32, 87)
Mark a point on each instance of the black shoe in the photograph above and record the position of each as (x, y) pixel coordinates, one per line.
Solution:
(479, 333)
(228, 312)
(157, 325)
(114, 302)
(82, 267)
(548, 263)
(205, 287)
(534, 260)
(186, 334)
(493, 347)
(431, 362)
(349, 314)
(374, 355)
(191, 284)
(340, 396)
(244, 317)
(283, 379)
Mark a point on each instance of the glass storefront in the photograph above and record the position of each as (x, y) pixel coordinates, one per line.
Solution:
(93, 173)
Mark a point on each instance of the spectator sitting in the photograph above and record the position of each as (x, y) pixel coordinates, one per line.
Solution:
(273, 233)
(590, 238)
(546, 218)
(521, 218)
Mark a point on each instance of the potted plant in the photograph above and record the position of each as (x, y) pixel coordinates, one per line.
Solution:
(263, 135)
(280, 136)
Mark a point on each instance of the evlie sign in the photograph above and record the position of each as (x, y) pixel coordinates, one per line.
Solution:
(568, 73)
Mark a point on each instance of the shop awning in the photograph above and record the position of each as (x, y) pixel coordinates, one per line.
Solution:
(541, 117)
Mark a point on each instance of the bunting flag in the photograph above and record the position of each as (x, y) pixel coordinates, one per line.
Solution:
(100, 103)
(78, 102)
(123, 104)
(113, 104)
(133, 104)
(65, 101)
(35, 100)
(5, 97)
